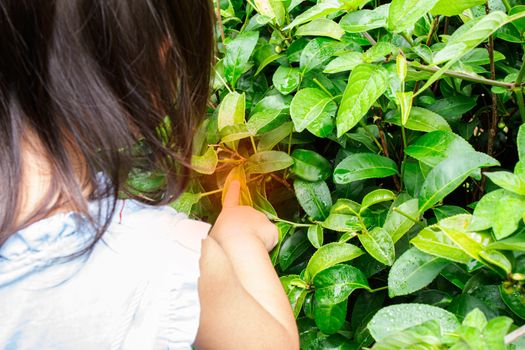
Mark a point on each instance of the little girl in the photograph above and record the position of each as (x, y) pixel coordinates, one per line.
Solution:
(91, 90)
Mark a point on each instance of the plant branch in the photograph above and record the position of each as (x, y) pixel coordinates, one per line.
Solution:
(219, 21)
(382, 137)
(493, 123)
(369, 38)
(435, 26)
(512, 336)
(464, 76)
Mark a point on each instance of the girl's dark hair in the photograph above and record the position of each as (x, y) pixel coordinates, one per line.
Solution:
(118, 84)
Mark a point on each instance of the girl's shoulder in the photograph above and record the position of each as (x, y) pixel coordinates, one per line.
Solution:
(138, 287)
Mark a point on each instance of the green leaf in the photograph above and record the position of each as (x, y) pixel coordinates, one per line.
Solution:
(469, 36)
(362, 166)
(404, 14)
(515, 242)
(206, 163)
(436, 146)
(283, 229)
(497, 259)
(322, 9)
(232, 110)
(314, 198)
(286, 79)
(261, 121)
(452, 107)
(334, 342)
(273, 9)
(317, 52)
(514, 298)
(405, 105)
(330, 317)
(453, 8)
(377, 196)
(395, 318)
(457, 229)
(292, 248)
(420, 119)
(310, 166)
(379, 245)
(315, 235)
(500, 209)
(238, 53)
(342, 222)
(345, 62)
(146, 181)
(270, 139)
(379, 52)
(365, 20)
(412, 271)
(335, 284)
(449, 174)
(397, 224)
(508, 181)
(268, 162)
(261, 202)
(434, 241)
(329, 255)
(365, 85)
(475, 319)
(185, 202)
(310, 105)
(427, 335)
(495, 331)
(232, 133)
(321, 27)
(413, 176)
(520, 142)
(296, 295)
(445, 211)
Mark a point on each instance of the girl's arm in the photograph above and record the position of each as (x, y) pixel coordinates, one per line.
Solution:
(243, 304)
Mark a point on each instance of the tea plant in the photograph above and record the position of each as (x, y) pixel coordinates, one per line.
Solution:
(384, 139)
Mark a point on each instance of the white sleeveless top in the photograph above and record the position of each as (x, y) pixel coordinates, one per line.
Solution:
(136, 290)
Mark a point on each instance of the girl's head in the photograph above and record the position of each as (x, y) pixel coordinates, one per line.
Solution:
(92, 86)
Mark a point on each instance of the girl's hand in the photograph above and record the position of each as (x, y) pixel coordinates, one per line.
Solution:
(240, 222)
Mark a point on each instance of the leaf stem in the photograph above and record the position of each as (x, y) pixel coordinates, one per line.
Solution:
(252, 140)
(378, 289)
(318, 83)
(407, 38)
(507, 5)
(205, 194)
(363, 124)
(295, 224)
(224, 82)
(416, 221)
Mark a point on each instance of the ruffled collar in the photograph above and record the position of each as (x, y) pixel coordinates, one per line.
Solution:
(46, 241)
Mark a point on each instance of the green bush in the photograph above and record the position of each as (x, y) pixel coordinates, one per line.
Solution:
(384, 140)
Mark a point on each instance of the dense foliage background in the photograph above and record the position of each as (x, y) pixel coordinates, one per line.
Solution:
(383, 138)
